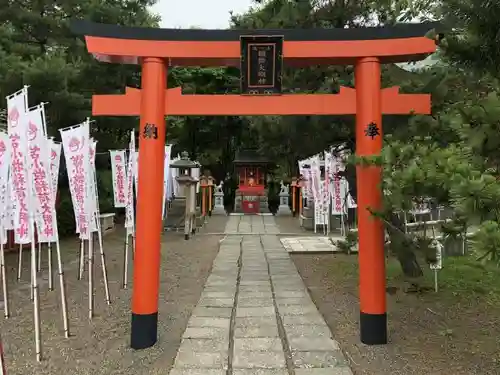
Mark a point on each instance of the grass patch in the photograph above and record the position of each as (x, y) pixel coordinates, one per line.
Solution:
(460, 277)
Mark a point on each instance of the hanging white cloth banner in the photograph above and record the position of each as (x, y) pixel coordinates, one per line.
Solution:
(166, 179)
(316, 185)
(75, 143)
(92, 187)
(11, 200)
(39, 173)
(305, 171)
(55, 161)
(129, 211)
(338, 190)
(327, 187)
(135, 158)
(119, 176)
(17, 131)
(4, 185)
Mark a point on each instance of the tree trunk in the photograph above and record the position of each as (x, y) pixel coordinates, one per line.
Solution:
(401, 245)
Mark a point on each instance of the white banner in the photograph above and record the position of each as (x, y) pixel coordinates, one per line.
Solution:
(4, 185)
(305, 175)
(166, 179)
(92, 187)
(129, 211)
(55, 161)
(75, 143)
(135, 159)
(327, 184)
(17, 130)
(11, 199)
(317, 191)
(338, 190)
(119, 175)
(39, 173)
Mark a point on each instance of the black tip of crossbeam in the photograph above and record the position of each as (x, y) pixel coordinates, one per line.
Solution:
(373, 328)
(144, 331)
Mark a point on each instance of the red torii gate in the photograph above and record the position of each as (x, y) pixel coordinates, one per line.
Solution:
(157, 49)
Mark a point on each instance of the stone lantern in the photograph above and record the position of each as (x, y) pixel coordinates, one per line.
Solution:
(184, 167)
(188, 185)
(187, 192)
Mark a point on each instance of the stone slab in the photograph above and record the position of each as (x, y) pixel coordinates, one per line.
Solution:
(201, 360)
(206, 333)
(193, 371)
(296, 330)
(291, 294)
(209, 322)
(254, 295)
(318, 359)
(255, 321)
(293, 301)
(216, 302)
(220, 312)
(204, 345)
(259, 372)
(324, 371)
(298, 310)
(312, 344)
(243, 312)
(314, 319)
(255, 302)
(217, 295)
(260, 331)
(251, 359)
(257, 344)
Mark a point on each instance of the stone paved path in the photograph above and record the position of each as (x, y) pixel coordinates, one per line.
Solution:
(255, 316)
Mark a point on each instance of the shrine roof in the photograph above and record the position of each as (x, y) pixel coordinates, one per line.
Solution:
(301, 47)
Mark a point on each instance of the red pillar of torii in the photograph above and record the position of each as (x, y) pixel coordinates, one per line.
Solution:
(157, 49)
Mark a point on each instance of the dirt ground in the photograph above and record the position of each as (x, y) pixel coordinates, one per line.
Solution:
(101, 346)
(453, 332)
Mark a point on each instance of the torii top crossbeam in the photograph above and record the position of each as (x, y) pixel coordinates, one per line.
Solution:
(302, 47)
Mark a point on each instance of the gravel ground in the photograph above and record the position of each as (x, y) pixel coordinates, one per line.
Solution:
(429, 334)
(101, 346)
